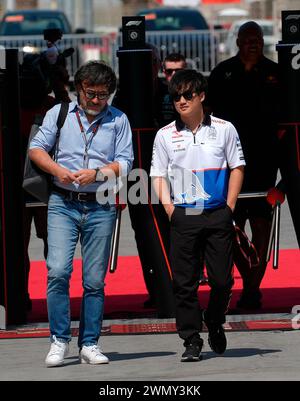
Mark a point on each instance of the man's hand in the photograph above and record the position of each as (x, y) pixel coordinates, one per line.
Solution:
(65, 176)
(169, 210)
(85, 176)
(231, 207)
(234, 186)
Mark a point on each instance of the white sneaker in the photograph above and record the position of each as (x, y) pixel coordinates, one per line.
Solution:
(57, 353)
(92, 355)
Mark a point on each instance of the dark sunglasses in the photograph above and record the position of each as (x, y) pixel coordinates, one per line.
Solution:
(169, 71)
(89, 94)
(188, 95)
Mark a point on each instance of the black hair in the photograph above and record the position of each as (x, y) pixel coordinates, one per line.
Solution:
(250, 26)
(188, 79)
(175, 57)
(96, 73)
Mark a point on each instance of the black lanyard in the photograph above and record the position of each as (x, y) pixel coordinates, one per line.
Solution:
(87, 142)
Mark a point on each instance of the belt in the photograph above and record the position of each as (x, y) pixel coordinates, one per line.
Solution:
(78, 196)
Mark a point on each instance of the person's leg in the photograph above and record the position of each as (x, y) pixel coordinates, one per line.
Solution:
(140, 220)
(240, 217)
(260, 216)
(63, 231)
(260, 227)
(184, 256)
(40, 222)
(96, 231)
(151, 229)
(219, 262)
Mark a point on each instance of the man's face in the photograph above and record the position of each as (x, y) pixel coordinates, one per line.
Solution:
(187, 103)
(93, 98)
(170, 67)
(251, 44)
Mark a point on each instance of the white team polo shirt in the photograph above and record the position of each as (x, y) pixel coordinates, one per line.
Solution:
(198, 166)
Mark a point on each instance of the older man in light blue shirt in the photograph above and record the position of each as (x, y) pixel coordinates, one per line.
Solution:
(94, 144)
(112, 143)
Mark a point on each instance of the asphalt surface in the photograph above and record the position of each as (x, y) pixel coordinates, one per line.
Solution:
(250, 356)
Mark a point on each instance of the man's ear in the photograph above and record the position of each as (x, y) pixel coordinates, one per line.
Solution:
(202, 96)
(237, 42)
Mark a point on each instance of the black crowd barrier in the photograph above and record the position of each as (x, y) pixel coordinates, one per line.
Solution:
(12, 270)
(149, 222)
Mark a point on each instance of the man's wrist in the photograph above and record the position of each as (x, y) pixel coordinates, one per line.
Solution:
(231, 206)
(99, 177)
(169, 207)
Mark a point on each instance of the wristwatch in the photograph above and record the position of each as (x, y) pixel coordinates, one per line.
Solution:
(100, 177)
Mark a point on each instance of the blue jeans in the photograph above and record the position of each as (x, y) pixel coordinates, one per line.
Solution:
(93, 223)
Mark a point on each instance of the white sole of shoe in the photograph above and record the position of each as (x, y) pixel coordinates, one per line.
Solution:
(82, 360)
(53, 365)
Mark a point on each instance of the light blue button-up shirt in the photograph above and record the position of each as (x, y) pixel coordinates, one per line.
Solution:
(112, 142)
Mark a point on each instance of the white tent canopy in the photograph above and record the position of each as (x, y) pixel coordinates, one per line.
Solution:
(233, 12)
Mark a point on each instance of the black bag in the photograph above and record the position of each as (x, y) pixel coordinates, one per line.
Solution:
(35, 181)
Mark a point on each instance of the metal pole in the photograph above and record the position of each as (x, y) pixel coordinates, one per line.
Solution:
(271, 238)
(245, 195)
(276, 236)
(113, 259)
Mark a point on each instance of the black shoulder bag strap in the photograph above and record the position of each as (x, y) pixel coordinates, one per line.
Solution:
(64, 108)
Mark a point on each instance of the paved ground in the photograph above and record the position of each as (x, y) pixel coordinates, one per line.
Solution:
(250, 356)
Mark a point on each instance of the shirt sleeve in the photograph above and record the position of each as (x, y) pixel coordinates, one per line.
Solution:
(46, 136)
(123, 150)
(234, 152)
(160, 157)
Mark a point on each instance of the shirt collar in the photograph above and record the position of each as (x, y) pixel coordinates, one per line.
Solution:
(180, 124)
(255, 66)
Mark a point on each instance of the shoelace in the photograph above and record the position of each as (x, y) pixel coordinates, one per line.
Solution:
(96, 350)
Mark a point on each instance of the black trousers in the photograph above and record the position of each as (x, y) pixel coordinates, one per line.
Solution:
(211, 232)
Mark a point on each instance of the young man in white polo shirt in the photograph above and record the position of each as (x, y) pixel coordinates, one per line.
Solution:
(203, 159)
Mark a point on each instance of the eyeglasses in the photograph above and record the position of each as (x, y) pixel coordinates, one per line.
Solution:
(89, 94)
(169, 71)
(188, 95)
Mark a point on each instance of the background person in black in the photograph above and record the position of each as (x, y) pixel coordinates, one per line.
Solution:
(153, 251)
(165, 111)
(35, 100)
(245, 91)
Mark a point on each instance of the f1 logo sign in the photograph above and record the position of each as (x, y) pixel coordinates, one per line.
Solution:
(296, 59)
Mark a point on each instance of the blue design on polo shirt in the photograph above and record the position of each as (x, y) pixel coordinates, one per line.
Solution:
(207, 189)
